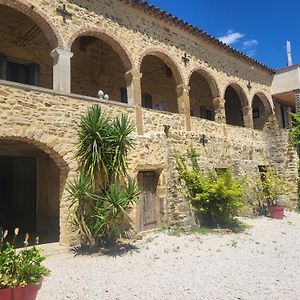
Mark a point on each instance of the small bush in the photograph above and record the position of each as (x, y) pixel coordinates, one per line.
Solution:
(218, 198)
(17, 269)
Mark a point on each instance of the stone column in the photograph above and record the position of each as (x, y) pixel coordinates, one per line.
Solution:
(297, 96)
(219, 107)
(248, 118)
(183, 100)
(61, 70)
(134, 93)
(289, 116)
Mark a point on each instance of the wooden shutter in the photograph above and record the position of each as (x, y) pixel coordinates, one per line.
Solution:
(3, 66)
(34, 74)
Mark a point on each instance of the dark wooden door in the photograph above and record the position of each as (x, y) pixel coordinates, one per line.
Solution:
(148, 201)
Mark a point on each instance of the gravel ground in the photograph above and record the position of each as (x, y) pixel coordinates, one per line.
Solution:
(262, 263)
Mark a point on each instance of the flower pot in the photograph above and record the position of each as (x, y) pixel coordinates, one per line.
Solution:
(276, 212)
(28, 292)
(5, 294)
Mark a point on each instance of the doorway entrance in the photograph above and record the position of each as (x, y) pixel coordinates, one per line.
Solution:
(18, 193)
(149, 208)
(29, 190)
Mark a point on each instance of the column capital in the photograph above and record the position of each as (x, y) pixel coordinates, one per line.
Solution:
(57, 52)
(218, 102)
(133, 74)
(181, 89)
(246, 110)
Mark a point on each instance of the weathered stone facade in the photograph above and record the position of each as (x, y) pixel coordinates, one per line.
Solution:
(123, 41)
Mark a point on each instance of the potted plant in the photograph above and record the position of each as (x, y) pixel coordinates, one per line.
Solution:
(270, 189)
(21, 272)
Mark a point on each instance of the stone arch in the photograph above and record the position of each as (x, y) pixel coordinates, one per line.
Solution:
(106, 36)
(209, 78)
(261, 110)
(240, 91)
(236, 106)
(39, 17)
(34, 177)
(165, 57)
(203, 92)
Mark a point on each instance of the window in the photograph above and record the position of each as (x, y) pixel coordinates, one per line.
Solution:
(17, 71)
(124, 96)
(255, 113)
(147, 101)
(206, 113)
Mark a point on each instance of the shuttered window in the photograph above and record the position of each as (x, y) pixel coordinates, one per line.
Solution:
(15, 71)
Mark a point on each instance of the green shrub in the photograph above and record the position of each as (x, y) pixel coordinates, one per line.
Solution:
(103, 192)
(295, 135)
(218, 198)
(269, 188)
(17, 269)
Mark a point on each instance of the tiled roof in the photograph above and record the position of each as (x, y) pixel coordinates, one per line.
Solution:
(151, 9)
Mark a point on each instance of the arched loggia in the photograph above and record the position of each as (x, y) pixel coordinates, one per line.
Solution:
(26, 41)
(235, 102)
(203, 90)
(99, 63)
(261, 111)
(159, 82)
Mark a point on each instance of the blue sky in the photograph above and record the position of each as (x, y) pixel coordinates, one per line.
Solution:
(260, 29)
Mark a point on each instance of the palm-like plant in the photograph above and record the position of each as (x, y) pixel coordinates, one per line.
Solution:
(103, 191)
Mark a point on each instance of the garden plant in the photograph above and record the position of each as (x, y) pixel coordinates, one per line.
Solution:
(217, 198)
(103, 192)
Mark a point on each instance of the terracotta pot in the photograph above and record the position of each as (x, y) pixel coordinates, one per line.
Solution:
(5, 294)
(28, 292)
(276, 212)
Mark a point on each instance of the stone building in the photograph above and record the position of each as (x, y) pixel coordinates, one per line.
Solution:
(179, 85)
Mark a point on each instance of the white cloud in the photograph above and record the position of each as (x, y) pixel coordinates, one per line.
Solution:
(231, 37)
(250, 43)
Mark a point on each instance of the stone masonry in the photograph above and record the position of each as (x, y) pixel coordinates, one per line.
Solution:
(47, 116)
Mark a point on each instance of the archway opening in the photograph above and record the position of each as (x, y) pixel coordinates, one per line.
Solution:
(24, 50)
(261, 111)
(158, 85)
(201, 97)
(29, 190)
(96, 66)
(234, 107)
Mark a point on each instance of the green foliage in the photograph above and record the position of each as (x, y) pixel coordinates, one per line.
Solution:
(18, 269)
(103, 192)
(295, 135)
(269, 188)
(217, 198)
(295, 131)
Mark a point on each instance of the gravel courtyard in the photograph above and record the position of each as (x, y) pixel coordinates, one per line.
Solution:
(262, 263)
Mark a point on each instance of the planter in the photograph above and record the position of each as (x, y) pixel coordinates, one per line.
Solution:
(276, 212)
(28, 292)
(5, 294)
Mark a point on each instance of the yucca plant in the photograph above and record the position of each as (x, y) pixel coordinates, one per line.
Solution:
(103, 191)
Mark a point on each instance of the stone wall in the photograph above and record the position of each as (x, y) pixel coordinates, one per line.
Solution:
(48, 120)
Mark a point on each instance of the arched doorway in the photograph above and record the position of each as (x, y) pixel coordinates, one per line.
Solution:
(159, 84)
(203, 90)
(234, 103)
(261, 111)
(24, 50)
(99, 63)
(30, 188)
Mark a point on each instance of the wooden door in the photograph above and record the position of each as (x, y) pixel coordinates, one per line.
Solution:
(148, 200)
